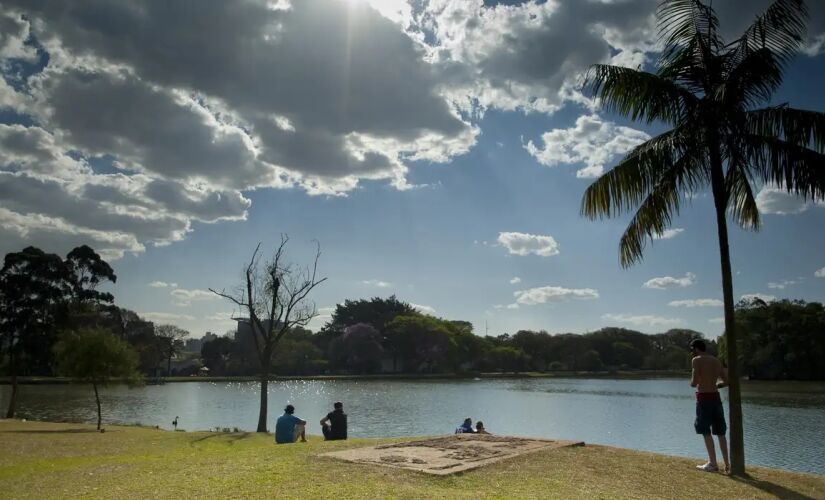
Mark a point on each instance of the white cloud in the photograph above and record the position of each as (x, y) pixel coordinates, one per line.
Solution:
(591, 141)
(820, 273)
(541, 295)
(669, 233)
(377, 283)
(526, 244)
(184, 297)
(696, 303)
(162, 284)
(423, 309)
(163, 317)
(515, 280)
(666, 282)
(717, 320)
(773, 200)
(642, 320)
(781, 285)
(761, 296)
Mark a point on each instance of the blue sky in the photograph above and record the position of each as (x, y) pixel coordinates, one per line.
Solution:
(434, 156)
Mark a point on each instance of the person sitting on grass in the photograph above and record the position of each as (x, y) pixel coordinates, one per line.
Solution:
(334, 425)
(289, 428)
(466, 427)
(480, 428)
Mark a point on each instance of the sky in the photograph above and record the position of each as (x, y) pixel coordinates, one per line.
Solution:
(436, 150)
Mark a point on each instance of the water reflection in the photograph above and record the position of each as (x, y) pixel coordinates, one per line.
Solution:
(784, 421)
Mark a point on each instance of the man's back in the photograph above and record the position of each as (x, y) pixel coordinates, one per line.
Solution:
(338, 424)
(285, 428)
(707, 370)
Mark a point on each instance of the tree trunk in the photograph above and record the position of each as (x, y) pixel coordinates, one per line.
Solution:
(169, 367)
(737, 439)
(264, 400)
(13, 398)
(97, 400)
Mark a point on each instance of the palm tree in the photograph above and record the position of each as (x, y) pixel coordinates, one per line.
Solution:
(715, 97)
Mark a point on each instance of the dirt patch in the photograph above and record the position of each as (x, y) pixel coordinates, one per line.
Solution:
(448, 455)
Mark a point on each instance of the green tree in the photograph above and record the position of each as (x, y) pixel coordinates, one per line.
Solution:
(170, 340)
(97, 357)
(88, 270)
(709, 92)
(32, 283)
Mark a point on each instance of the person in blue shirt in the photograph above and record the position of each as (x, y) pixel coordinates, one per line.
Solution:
(466, 427)
(289, 428)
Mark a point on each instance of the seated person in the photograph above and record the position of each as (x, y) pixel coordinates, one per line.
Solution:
(334, 425)
(466, 427)
(289, 428)
(480, 428)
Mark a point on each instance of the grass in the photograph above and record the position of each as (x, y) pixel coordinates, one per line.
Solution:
(56, 460)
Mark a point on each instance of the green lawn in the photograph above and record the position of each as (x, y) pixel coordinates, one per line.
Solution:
(49, 460)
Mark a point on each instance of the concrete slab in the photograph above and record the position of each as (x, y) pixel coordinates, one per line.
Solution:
(447, 455)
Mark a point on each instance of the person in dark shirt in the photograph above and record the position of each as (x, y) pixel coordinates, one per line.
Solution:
(334, 425)
(466, 427)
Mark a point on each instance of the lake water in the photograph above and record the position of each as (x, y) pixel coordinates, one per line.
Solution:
(784, 422)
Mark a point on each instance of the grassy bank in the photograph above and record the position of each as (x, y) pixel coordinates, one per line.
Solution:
(41, 460)
(631, 375)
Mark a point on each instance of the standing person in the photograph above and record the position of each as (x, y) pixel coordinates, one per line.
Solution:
(334, 425)
(466, 427)
(710, 415)
(289, 428)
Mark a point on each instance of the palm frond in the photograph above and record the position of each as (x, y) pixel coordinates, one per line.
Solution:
(741, 200)
(750, 81)
(797, 169)
(795, 126)
(639, 95)
(656, 212)
(780, 29)
(635, 177)
(681, 21)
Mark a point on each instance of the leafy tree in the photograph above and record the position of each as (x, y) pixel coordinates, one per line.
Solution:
(88, 270)
(97, 357)
(276, 297)
(710, 91)
(422, 342)
(376, 311)
(32, 282)
(359, 348)
(170, 340)
(781, 340)
(215, 354)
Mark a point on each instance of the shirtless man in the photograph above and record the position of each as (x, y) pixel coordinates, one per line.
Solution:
(710, 415)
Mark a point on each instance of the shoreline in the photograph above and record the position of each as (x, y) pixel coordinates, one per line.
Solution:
(619, 375)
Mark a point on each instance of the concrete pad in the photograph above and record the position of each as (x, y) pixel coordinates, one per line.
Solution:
(447, 455)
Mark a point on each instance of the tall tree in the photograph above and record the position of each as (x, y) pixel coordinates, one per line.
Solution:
(97, 357)
(170, 338)
(275, 295)
(715, 96)
(32, 283)
(88, 270)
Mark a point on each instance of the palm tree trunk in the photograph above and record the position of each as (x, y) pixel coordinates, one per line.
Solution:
(737, 440)
(13, 398)
(97, 400)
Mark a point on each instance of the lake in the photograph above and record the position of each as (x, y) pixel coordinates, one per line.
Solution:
(784, 421)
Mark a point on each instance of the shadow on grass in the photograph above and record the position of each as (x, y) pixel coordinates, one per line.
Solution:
(54, 431)
(772, 488)
(231, 437)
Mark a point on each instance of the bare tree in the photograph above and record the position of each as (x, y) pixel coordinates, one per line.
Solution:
(275, 295)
